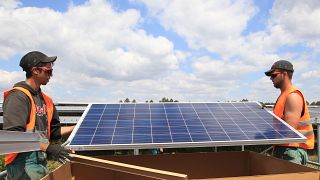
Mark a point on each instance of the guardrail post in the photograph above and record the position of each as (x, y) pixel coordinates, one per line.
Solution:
(318, 141)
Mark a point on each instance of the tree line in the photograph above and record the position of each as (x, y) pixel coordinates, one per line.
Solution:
(165, 99)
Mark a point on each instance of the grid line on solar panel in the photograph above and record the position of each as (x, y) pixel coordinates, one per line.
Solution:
(267, 126)
(254, 117)
(101, 139)
(184, 124)
(98, 122)
(113, 106)
(151, 127)
(133, 107)
(116, 129)
(176, 123)
(81, 140)
(105, 131)
(239, 125)
(98, 106)
(276, 124)
(213, 115)
(169, 128)
(140, 125)
(206, 132)
(137, 138)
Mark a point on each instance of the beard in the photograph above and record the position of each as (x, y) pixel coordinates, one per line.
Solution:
(277, 84)
(45, 82)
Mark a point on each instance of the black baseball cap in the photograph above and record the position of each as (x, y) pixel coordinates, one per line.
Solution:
(32, 59)
(281, 64)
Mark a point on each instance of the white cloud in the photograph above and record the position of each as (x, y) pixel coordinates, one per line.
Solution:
(8, 79)
(310, 75)
(214, 25)
(92, 38)
(180, 86)
(312, 92)
(297, 20)
(9, 4)
(217, 26)
(99, 50)
(210, 69)
(263, 90)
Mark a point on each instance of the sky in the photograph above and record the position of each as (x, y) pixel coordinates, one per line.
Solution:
(190, 51)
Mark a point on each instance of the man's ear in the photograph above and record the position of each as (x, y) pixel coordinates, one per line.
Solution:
(35, 71)
(285, 73)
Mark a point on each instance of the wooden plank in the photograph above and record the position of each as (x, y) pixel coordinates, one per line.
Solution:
(128, 168)
(62, 172)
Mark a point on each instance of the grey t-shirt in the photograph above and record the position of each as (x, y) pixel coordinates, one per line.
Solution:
(16, 112)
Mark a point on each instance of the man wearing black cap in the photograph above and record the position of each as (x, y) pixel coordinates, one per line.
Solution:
(291, 107)
(26, 108)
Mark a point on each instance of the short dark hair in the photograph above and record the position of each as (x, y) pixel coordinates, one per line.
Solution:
(28, 74)
(290, 74)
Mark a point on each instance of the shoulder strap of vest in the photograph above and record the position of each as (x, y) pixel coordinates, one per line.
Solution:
(49, 107)
(295, 90)
(32, 118)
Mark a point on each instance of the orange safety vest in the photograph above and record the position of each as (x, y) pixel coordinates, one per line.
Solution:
(305, 124)
(32, 119)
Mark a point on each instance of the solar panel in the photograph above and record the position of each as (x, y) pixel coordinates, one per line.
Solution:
(177, 125)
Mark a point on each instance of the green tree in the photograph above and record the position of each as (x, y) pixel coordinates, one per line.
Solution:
(133, 101)
(127, 100)
(315, 103)
(164, 99)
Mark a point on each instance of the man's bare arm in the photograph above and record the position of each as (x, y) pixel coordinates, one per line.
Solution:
(293, 109)
(66, 130)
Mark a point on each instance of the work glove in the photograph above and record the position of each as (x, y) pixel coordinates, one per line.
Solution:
(58, 153)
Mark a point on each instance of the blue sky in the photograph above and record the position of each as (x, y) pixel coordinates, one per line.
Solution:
(192, 50)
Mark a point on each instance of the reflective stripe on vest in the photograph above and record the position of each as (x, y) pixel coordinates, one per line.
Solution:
(307, 133)
(304, 125)
(32, 118)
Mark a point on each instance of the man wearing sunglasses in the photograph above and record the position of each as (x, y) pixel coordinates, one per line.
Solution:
(26, 108)
(291, 107)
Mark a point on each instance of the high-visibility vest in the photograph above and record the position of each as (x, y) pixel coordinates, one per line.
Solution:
(32, 118)
(305, 124)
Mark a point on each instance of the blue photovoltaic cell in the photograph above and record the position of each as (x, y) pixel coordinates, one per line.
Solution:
(104, 126)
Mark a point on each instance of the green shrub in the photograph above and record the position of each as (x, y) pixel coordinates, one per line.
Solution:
(2, 166)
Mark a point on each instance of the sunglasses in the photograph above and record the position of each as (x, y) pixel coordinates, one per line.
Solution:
(275, 74)
(46, 70)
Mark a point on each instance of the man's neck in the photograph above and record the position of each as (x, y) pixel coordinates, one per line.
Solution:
(286, 86)
(32, 83)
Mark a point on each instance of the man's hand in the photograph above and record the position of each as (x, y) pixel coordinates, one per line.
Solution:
(58, 153)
